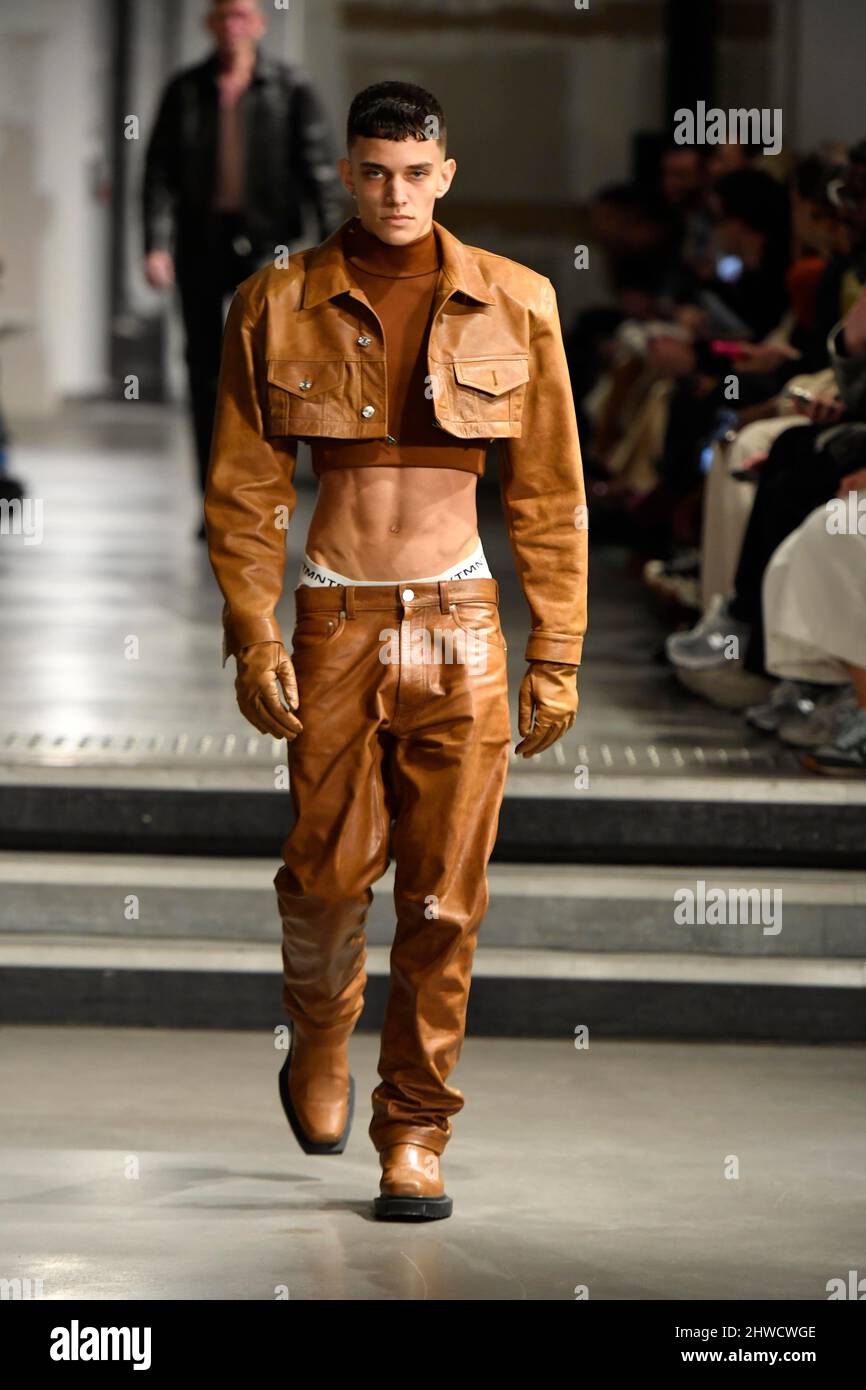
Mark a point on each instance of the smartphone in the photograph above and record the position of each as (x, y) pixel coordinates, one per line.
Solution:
(723, 347)
(729, 269)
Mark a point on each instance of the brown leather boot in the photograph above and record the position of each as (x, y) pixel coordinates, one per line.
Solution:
(411, 1187)
(318, 1093)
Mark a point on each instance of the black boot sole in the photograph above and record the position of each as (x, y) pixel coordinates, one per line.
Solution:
(312, 1146)
(387, 1208)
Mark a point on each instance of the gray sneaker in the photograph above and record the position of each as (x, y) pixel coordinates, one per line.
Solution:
(789, 700)
(846, 755)
(820, 725)
(705, 647)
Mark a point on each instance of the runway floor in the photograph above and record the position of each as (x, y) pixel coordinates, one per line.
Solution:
(155, 1164)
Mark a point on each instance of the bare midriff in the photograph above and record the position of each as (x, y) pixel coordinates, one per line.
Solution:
(393, 523)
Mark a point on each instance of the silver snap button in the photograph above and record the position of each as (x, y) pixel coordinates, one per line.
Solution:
(367, 411)
(407, 595)
(389, 439)
(305, 384)
(363, 341)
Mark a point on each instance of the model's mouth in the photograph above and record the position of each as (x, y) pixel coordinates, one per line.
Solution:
(398, 217)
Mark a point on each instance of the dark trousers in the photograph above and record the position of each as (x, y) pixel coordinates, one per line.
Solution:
(794, 480)
(210, 265)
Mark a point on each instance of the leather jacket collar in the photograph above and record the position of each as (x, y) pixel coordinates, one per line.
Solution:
(328, 276)
(264, 68)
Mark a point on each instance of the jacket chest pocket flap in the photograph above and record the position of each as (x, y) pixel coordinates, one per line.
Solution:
(302, 393)
(493, 375)
(490, 388)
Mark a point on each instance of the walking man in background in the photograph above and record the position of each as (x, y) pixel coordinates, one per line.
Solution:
(240, 144)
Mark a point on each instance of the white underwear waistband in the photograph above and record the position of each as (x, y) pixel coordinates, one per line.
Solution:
(318, 576)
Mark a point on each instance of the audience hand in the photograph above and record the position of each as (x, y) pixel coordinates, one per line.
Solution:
(825, 408)
(671, 356)
(765, 357)
(159, 270)
(693, 317)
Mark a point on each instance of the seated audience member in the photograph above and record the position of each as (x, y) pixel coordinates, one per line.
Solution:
(815, 635)
(802, 470)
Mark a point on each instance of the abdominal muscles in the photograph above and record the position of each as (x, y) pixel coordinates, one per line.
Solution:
(393, 523)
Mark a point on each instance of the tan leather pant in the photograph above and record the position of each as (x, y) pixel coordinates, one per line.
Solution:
(404, 754)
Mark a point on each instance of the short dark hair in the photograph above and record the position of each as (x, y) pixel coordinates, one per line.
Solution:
(754, 197)
(395, 111)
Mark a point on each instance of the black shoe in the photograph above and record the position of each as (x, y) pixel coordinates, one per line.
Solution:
(412, 1208)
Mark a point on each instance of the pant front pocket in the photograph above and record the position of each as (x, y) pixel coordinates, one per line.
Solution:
(480, 616)
(317, 629)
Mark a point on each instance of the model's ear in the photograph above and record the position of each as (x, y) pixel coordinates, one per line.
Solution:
(344, 169)
(449, 169)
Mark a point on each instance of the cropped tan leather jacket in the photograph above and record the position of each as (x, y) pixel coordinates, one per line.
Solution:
(295, 365)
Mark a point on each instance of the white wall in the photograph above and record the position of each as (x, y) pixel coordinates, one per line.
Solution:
(53, 228)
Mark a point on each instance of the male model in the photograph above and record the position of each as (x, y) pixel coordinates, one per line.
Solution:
(399, 354)
(240, 142)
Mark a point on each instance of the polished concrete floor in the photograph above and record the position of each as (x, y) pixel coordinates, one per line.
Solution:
(147, 1164)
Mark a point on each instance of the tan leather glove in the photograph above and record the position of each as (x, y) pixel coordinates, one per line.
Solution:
(264, 669)
(549, 691)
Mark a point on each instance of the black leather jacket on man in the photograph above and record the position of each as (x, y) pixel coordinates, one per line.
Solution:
(290, 158)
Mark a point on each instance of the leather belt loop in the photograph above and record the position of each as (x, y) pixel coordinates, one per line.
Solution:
(349, 600)
(444, 595)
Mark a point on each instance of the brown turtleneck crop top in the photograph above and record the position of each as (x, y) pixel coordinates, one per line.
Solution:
(400, 283)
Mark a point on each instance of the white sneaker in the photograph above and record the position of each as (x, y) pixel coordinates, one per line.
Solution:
(705, 646)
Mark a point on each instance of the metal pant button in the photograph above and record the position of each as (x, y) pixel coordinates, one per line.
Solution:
(408, 595)
(367, 411)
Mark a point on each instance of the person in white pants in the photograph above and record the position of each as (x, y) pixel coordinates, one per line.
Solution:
(815, 617)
